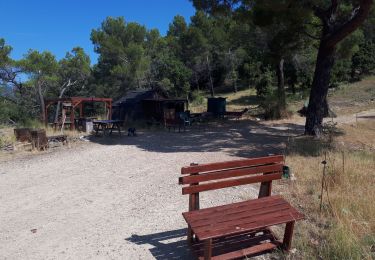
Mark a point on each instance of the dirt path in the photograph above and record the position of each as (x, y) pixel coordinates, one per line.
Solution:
(117, 198)
(352, 118)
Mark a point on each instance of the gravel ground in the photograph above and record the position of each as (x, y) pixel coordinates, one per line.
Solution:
(118, 197)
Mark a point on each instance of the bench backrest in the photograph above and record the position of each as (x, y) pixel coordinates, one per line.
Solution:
(205, 177)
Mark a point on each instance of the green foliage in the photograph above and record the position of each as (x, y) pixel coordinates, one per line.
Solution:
(5, 51)
(341, 71)
(38, 65)
(265, 84)
(363, 62)
(198, 97)
(74, 72)
(122, 63)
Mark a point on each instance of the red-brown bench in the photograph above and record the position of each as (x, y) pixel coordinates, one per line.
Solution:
(238, 229)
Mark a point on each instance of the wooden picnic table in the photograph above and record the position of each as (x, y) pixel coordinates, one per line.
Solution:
(104, 125)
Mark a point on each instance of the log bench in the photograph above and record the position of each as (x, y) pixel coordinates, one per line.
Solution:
(239, 229)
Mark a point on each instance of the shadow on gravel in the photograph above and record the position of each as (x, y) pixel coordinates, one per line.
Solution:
(166, 245)
(243, 138)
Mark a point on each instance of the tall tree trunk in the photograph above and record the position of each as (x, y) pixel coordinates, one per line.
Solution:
(281, 85)
(209, 73)
(58, 105)
(318, 106)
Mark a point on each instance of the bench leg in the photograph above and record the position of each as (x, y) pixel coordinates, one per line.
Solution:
(287, 241)
(190, 236)
(207, 249)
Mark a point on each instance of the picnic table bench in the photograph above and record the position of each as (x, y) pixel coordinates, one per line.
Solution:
(238, 229)
(104, 125)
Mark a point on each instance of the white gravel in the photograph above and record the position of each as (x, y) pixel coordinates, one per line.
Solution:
(115, 198)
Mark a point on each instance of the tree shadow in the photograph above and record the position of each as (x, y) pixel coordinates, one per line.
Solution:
(242, 138)
(166, 245)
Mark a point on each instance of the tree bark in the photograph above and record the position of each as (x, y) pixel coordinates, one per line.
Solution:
(281, 85)
(318, 105)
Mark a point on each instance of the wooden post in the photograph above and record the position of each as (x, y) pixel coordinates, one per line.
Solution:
(287, 241)
(265, 189)
(110, 110)
(193, 205)
(81, 110)
(72, 117)
(208, 249)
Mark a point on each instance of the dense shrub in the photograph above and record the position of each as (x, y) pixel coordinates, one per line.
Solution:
(265, 84)
(363, 62)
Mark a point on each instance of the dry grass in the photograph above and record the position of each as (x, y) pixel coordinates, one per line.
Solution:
(361, 135)
(7, 136)
(355, 97)
(345, 228)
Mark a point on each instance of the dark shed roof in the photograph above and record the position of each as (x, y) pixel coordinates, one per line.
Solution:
(138, 95)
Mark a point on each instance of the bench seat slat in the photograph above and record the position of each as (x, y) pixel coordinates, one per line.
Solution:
(232, 164)
(237, 208)
(229, 218)
(216, 175)
(233, 224)
(267, 222)
(238, 224)
(230, 183)
(229, 207)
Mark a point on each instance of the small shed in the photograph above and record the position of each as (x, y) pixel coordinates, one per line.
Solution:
(130, 106)
(160, 109)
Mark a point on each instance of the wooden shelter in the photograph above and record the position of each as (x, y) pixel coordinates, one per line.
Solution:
(164, 108)
(130, 106)
(77, 102)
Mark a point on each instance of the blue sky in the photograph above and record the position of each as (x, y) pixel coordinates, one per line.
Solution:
(60, 25)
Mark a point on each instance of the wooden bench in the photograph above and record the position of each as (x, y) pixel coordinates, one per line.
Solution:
(238, 229)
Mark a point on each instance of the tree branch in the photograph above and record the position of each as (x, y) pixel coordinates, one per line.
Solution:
(359, 14)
